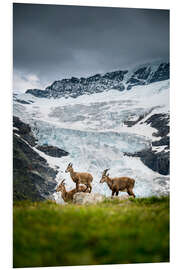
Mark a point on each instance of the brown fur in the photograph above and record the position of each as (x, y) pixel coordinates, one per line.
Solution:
(117, 184)
(68, 195)
(80, 177)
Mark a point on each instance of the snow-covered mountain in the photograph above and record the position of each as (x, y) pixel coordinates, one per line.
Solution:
(101, 126)
(120, 80)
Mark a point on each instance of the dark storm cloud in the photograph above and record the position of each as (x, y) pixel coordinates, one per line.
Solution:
(53, 41)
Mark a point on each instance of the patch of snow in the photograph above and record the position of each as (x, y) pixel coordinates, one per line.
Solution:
(15, 128)
(160, 148)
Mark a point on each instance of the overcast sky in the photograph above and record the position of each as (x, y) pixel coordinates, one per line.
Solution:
(52, 42)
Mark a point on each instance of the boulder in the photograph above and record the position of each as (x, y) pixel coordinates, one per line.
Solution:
(87, 198)
(93, 198)
(121, 198)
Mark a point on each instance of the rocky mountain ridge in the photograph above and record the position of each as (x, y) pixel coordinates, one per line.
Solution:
(119, 80)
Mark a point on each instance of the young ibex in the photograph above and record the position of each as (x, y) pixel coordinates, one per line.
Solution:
(68, 195)
(118, 183)
(80, 177)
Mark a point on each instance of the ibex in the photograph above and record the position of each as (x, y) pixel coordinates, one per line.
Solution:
(117, 184)
(80, 177)
(68, 195)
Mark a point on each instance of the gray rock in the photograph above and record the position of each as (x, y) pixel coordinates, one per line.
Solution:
(93, 198)
(87, 198)
(52, 151)
(157, 161)
(121, 198)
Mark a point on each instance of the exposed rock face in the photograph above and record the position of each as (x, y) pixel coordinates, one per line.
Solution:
(33, 179)
(139, 77)
(163, 141)
(75, 87)
(131, 123)
(24, 131)
(87, 198)
(52, 151)
(159, 121)
(38, 93)
(162, 73)
(155, 159)
(146, 75)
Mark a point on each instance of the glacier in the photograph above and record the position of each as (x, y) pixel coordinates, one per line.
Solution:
(92, 129)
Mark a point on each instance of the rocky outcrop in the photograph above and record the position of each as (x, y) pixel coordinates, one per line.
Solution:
(161, 74)
(159, 121)
(131, 123)
(52, 151)
(157, 161)
(33, 178)
(93, 198)
(165, 141)
(156, 158)
(147, 75)
(24, 131)
(87, 198)
(38, 93)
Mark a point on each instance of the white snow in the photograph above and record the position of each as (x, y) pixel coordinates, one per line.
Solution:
(160, 148)
(15, 128)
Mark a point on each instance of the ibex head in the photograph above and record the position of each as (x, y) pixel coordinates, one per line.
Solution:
(69, 167)
(104, 176)
(61, 186)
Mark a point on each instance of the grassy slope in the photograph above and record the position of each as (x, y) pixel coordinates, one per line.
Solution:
(47, 234)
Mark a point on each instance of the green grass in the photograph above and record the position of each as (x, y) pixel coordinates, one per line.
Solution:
(112, 232)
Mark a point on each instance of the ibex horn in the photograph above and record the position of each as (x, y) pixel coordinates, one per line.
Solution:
(105, 171)
(62, 182)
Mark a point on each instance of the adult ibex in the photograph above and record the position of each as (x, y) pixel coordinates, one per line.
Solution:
(80, 177)
(117, 184)
(68, 195)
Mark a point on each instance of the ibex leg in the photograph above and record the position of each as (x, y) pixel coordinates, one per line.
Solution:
(90, 188)
(113, 193)
(77, 186)
(131, 193)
